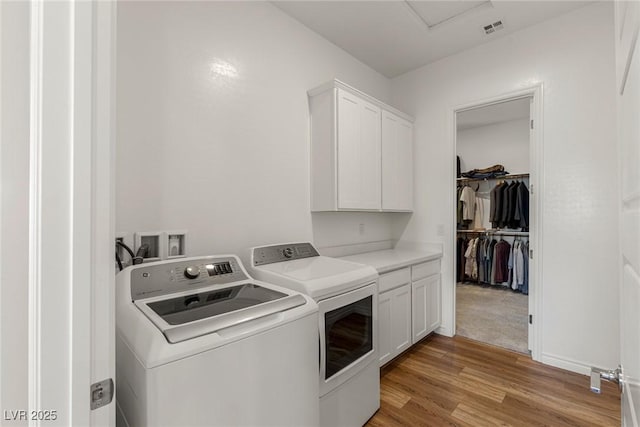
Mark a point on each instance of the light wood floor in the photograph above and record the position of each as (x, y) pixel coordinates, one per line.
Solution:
(459, 382)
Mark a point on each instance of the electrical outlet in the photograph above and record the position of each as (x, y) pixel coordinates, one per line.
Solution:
(361, 229)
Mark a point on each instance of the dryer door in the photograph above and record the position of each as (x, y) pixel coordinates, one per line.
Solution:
(348, 325)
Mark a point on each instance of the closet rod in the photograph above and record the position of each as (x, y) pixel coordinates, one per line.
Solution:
(512, 176)
(495, 232)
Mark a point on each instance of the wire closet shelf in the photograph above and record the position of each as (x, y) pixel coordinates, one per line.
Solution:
(495, 232)
(494, 178)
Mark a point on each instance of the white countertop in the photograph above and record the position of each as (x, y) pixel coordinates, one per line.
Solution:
(393, 259)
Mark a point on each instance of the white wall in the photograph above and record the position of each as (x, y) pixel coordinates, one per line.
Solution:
(14, 206)
(572, 56)
(226, 157)
(505, 143)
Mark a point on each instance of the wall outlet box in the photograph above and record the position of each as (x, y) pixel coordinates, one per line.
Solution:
(154, 240)
(176, 243)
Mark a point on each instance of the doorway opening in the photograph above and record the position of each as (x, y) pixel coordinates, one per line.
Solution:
(496, 222)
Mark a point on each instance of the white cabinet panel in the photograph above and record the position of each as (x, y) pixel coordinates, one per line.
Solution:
(394, 322)
(401, 319)
(426, 306)
(397, 163)
(358, 153)
(384, 327)
(429, 268)
(394, 279)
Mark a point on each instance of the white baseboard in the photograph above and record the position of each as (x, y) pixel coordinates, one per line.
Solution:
(566, 363)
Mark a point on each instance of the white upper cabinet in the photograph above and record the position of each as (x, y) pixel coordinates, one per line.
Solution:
(349, 144)
(397, 163)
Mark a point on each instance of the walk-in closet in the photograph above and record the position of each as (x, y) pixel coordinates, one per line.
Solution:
(493, 223)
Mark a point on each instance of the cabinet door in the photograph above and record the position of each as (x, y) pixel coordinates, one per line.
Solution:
(425, 306)
(384, 327)
(358, 153)
(401, 319)
(397, 163)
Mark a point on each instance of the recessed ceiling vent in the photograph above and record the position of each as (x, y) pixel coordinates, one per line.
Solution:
(491, 28)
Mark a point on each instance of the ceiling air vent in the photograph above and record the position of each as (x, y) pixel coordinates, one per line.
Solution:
(488, 29)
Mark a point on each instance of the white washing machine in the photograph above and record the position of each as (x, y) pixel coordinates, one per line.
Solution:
(199, 342)
(347, 297)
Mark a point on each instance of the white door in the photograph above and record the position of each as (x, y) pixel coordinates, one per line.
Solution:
(628, 86)
(64, 310)
(358, 153)
(397, 163)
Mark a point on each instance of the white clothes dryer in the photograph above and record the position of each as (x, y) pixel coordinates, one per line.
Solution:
(199, 342)
(347, 297)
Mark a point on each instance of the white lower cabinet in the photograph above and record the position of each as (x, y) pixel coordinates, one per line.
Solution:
(394, 322)
(408, 307)
(425, 308)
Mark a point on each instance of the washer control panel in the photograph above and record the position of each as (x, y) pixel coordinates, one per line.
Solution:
(165, 278)
(280, 253)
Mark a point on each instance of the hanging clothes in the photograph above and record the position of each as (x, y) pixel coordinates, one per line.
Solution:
(518, 266)
(491, 261)
(480, 258)
(460, 261)
(525, 253)
(459, 208)
(521, 216)
(471, 266)
(478, 216)
(509, 205)
(503, 250)
(468, 199)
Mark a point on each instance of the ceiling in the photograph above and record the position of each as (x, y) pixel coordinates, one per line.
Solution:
(495, 113)
(397, 36)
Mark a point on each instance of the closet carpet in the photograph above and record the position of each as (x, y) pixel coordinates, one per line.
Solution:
(494, 316)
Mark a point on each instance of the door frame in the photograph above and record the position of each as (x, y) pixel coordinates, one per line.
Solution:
(71, 272)
(536, 184)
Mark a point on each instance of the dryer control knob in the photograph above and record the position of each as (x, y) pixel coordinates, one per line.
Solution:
(191, 272)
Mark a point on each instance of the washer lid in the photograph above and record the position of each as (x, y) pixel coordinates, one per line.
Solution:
(196, 314)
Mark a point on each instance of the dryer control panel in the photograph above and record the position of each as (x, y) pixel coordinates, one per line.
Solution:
(187, 274)
(280, 253)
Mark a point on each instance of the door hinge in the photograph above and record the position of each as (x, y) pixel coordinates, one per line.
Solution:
(531, 189)
(530, 253)
(531, 123)
(101, 393)
(531, 319)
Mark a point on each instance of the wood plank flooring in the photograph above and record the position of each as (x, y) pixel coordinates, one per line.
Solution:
(460, 382)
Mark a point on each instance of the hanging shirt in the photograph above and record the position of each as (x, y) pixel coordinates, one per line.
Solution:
(522, 207)
(503, 249)
(525, 254)
(494, 203)
(519, 262)
(478, 216)
(468, 198)
(470, 266)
